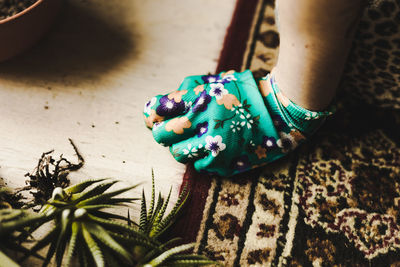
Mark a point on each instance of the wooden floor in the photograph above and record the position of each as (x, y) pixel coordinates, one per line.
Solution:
(90, 77)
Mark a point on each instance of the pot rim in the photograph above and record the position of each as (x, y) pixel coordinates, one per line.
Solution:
(23, 12)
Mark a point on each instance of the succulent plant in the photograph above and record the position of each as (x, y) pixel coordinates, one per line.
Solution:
(153, 223)
(85, 226)
(82, 227)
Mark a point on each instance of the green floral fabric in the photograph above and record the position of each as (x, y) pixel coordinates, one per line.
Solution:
(229, 123)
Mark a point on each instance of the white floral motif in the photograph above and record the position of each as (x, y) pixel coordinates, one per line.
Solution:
(214, 144)
(311, 116)
(191, 151)
(213, 79)
(239, 109)
(149, 104)
(235, 126)
(247, 120)
(229, 78)
(188, 105)
(218, 90)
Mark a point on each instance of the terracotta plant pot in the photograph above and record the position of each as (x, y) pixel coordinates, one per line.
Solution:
(21, 31)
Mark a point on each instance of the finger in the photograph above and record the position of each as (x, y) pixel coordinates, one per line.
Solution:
(173, 130)
(183, 127)
(176, 103)
(150, 115)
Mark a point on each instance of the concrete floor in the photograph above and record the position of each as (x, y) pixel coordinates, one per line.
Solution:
(90, 77)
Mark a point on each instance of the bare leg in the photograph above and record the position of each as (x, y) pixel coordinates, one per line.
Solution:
(315, 37)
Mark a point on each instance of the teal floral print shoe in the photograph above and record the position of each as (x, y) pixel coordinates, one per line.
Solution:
(229, 123)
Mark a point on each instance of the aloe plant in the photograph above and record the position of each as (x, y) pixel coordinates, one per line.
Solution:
(82, 227)
(153, 223)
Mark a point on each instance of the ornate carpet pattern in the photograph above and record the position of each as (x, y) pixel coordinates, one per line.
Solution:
(333, 202)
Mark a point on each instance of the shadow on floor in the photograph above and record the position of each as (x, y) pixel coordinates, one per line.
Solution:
(85, 43)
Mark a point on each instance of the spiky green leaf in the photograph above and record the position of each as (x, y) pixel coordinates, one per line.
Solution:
(97, 190)
(135, 240)
(167, 221)
(160, 215)
(107, 215)
(173, 251)
(78, 188)
(62, 236)
(143, 213)
(17, 219)
(93, 247)
(103, 198)
(160, 202)
(102, 235)
(153, 196)
(75, 229)
(117, 227)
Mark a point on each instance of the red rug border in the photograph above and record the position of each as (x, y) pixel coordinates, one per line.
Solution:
(231, 57)
(238, 32)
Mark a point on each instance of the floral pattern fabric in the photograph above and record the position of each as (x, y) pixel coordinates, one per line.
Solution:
(225, 125)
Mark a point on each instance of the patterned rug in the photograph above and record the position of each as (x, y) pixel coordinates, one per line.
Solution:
(333, 202)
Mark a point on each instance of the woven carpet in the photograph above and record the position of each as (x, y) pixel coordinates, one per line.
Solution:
(333, 202)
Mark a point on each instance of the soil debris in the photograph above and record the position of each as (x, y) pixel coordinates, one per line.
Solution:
(49, 174)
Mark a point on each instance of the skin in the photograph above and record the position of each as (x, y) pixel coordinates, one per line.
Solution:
(315, 39)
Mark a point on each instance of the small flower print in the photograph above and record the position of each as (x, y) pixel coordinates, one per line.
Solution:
(218, 90)
(235, 126)
(269, 142)
(228, 76)
(241, 163)
(247, 120)
(178, 125)
(149, 104)
(311, 116)
(198, 89)
(286, 142)
(214, 144)
(201, 129)
(168, 107)
(201, 103)
(188, 106)
(229, 101)
(153, 118)
(261, 152)
(211, 78)
(239, 109)
(177, 95)
(190, 151)
(278, 122)
(224, 78)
